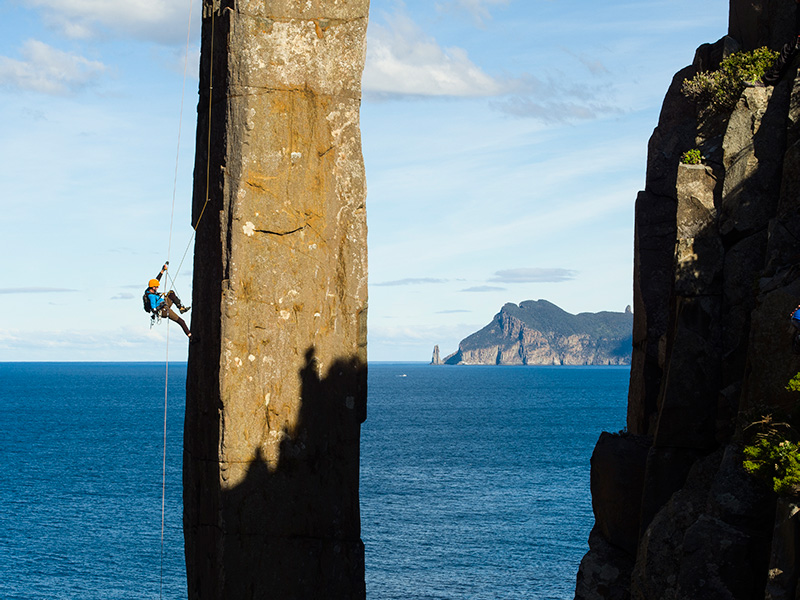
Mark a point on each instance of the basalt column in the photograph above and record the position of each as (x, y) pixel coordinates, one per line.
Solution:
(276, 384)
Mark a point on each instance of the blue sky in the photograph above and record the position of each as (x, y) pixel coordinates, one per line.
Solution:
(504, 142)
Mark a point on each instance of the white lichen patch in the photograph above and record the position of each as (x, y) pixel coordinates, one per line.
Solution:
(266, 398)
(249, 229)
(296, 156)
(312, 247)
(238, 361)
(286, 315)
(317, 315)
(345, 117)
(251, 358)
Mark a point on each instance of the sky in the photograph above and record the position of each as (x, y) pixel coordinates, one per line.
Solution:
(504, 142)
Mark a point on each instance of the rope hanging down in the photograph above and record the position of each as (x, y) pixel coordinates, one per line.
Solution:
(208, 153)
(169, 250)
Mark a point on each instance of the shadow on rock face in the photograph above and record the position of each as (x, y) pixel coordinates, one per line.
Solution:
(296, 524)
(291, 529)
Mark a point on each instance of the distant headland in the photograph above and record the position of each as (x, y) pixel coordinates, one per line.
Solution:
(538, 332)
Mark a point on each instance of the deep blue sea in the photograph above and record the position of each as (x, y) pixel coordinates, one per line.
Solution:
(475, 480)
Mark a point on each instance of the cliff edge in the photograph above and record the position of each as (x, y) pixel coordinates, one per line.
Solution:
(716, 273)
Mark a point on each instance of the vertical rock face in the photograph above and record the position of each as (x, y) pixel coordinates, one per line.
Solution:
(436, 359)
(276, 384)
(715, 277)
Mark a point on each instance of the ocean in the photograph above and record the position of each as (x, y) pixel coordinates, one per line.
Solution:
(474, 480)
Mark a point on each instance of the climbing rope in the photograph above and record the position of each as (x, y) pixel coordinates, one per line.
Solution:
(172, 278)
(208, 147)
(169, 250)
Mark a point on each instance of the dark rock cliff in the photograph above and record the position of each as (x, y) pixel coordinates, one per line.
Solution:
(540, 333)
(716, 273)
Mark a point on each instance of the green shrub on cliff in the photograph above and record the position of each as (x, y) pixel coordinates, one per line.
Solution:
(794, 384)
(721, 89)
(692, 157)
(772, 457)
(773, 451)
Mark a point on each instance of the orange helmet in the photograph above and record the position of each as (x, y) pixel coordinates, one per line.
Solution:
(154, 283)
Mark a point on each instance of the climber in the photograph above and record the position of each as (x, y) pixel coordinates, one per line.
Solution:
(795, 320)
(161, 304)
(787, 54)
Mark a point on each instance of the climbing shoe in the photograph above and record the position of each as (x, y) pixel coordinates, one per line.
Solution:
(183, 309)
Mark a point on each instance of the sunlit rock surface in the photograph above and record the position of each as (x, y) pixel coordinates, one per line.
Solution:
(276, 384)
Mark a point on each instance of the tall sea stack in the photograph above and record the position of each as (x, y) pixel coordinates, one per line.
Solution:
(276, 384)
(717, 249)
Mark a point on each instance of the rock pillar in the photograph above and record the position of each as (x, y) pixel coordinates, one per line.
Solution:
(276, 384)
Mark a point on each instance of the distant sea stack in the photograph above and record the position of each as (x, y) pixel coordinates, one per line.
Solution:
(538, 332)
(436, 359)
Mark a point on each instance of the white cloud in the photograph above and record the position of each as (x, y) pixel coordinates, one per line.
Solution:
(79, 345)
(411, 281)
(595, 66)
(34, 290)
(163, 21)
(533, 275)
(404, 61)
(484, 288)
(558, 101)
(479, 10)
(421, 336)
(48, 70)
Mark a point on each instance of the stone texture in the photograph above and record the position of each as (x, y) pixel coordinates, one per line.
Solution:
(753, 151)
(784, 564)
(658, 558)
(756, 23)
(708, 541)
(653, 264)
(617, 478)
(604, 573)
(276, 383)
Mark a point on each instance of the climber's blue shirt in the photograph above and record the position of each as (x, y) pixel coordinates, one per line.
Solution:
(155, 300)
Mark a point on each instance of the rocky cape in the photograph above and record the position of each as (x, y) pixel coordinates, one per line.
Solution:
(716, 255)
(538, 332)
